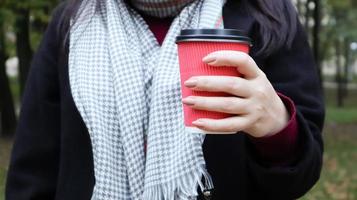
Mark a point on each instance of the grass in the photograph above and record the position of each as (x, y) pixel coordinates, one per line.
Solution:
(341, 115)
(345, 115)
(5, 149)
(339, 175)
(339, 178)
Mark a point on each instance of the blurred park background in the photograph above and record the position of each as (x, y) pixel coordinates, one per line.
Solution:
(332, 29)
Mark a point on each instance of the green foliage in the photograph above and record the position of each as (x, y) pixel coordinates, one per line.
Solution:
(339, 21)
(343, 17)
(6, 24)
(40, 11)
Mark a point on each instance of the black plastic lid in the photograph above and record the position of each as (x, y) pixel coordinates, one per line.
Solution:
(232, 35)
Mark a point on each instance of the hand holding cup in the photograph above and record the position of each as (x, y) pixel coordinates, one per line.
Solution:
(223, 89)
(256, 107)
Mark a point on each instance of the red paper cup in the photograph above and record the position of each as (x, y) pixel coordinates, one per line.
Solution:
(193, 46)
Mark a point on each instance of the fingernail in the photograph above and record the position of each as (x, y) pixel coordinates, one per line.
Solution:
(188, 101)
(198, 123)
(209, 59)
(190, 83)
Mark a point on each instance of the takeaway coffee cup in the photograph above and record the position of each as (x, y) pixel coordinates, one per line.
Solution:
(193, 45)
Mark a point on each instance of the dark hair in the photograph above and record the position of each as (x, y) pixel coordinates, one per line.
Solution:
(277, 22)
(276, 19)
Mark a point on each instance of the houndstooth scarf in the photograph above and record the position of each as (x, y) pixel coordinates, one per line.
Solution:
(160, 8)
(127, 90)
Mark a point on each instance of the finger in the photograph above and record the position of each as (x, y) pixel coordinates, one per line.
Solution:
(228, 125)
(231, 105)
(233, 85)
(246, 65)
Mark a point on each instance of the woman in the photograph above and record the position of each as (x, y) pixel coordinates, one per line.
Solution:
(101, 115)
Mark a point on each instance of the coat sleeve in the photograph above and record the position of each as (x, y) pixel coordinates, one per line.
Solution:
(35, 156)
(292, 72)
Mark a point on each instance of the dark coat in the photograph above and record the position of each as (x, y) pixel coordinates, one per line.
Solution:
(52, 154)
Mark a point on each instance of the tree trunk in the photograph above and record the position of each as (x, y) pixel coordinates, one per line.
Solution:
(23, 45)
(346, 55)
(316, 37)
(7, 111)
(339, 72)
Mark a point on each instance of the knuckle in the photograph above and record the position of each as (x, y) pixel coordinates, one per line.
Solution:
(259, 108)
(229, 106)
(261, 92)
(233, 84)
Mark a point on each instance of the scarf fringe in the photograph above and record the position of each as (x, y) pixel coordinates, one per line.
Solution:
(183, 188)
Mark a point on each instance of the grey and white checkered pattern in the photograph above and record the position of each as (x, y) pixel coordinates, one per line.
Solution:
(127, 90)
(160, 8)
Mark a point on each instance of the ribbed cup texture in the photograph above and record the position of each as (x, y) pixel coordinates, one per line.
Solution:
(190, 59)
